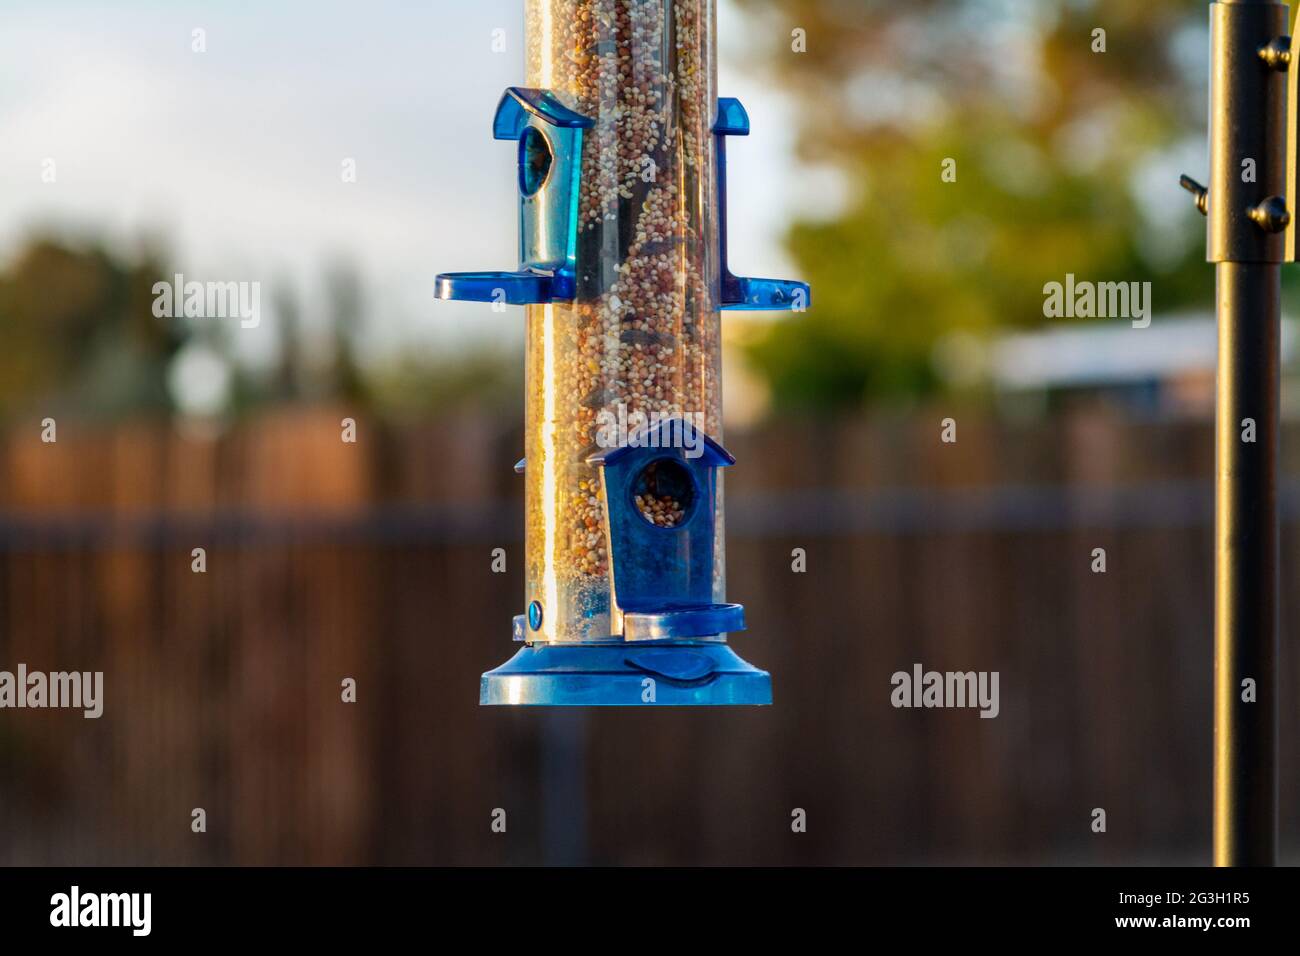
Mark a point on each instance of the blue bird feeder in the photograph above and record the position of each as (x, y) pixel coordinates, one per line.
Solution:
(623, 270)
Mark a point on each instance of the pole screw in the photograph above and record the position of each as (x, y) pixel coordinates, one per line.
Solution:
(1199, 193)
(1276, 53)
(1271, 215)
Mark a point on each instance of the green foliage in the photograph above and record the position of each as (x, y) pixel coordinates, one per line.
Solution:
(1055, 148)
(78, 335)
(481, 377)
(76, 325)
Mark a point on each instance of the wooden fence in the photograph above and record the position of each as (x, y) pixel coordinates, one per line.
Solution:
(372, 560)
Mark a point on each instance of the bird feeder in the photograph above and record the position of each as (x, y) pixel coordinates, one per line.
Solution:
(623, 274)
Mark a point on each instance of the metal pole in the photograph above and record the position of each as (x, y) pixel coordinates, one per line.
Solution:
(1246, 559)
(1247, 215)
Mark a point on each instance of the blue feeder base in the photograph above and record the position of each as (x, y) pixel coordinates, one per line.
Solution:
(626, 674)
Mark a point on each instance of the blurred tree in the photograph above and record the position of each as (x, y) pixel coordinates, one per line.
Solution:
(1065, 154)
(347, 310)
(78, 333)
(77, 326)
(479, 377)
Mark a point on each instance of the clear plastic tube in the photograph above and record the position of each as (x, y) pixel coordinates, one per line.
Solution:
(641, 340)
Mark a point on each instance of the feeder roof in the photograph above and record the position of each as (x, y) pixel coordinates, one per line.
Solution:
(671, 434)
(519, 103)
(732, 119)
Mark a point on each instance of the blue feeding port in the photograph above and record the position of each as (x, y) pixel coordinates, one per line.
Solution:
(670, 646)
(550, 137)
(738, 293)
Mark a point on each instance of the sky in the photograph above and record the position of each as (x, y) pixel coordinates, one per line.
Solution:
(232, 157)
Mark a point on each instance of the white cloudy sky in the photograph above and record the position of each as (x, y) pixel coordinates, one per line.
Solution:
(233, 156)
